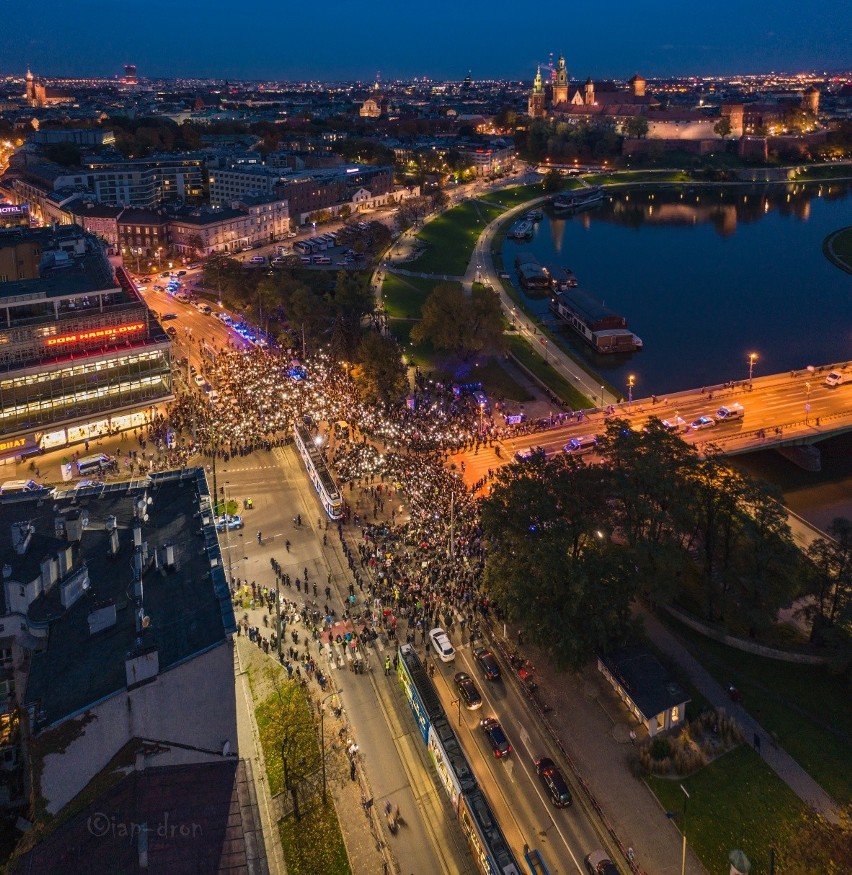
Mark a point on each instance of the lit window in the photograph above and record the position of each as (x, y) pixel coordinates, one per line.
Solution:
(675, 714)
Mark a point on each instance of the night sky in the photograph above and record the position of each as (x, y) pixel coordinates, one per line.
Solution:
(442, 39)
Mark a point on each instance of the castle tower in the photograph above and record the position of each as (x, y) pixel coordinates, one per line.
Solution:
(535, 106)
(560, 83)
(590, 93)
(638, 84)
(810, 99)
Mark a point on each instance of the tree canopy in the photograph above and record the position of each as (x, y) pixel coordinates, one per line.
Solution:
(467, 326)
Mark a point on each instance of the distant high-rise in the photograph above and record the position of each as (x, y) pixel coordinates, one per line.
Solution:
(130, 77)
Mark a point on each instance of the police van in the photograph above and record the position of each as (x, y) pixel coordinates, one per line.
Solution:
(93, 464)
(729, 413)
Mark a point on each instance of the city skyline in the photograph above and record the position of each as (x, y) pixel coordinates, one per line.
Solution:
(650, 40)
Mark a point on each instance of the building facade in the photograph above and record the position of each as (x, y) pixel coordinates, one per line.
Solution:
(80, 354)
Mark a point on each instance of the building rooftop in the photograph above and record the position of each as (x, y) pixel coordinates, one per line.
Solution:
(187, 600)
(77, 266)
(644, 679)
(210, 216)
(199, 818)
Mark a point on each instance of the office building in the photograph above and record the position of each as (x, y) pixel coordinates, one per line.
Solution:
(80, 354)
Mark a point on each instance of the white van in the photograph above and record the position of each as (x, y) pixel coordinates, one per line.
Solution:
(730, 412)
(257, 259)
(481, 400)
(835, 378)
(92, 464)
(18, 487)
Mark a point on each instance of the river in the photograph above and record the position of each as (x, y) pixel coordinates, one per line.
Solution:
(706, 276)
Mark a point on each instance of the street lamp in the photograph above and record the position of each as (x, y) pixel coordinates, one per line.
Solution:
(752, 358)
(602, 396)
(322, 741)
(631, 382)
(683, 831)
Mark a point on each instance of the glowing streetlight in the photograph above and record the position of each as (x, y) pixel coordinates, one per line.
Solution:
(752, 358)
(631, 382)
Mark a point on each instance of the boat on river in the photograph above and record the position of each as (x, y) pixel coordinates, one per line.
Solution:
(535, 279)
(522, 230)
(579, 199)
(603, 329)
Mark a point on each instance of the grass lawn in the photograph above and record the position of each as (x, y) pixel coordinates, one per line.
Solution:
(404, 295)
(825, 171)
(499, 383)
(736, 801)
(450, 239)
(557, 384)
(314, 843)
(626, 176)
(808, 709)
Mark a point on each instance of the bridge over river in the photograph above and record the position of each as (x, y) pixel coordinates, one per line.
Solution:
(790, 412)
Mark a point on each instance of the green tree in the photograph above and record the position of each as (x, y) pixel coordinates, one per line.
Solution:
(553, 181)
(380, 373)
(551, 563)
(650, 508)
(723, 127)
(831, 577)
(195, 242)
(465, 326)
(770, 563)
(636, 127)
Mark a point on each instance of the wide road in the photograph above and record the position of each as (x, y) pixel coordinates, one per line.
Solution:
(394, 759)
(518, 799)
(773, 402)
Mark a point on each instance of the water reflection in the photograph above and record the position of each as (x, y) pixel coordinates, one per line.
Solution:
(723, 208)
(705, 275)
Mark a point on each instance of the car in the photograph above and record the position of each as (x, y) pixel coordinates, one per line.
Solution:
(157, 287)
(171, 331)
(181, 273)
(469, 695)
(229, 522)
(141, 288)
(213, 396)
(496, 737)
(579, 446)
(194, 266)
(835, 378)
(165, 275)
(554, 782)
(598, 863)
(199, 380)
(167, 316)
(702, 422)
(487, 663)
(675, 425)
(441, 644)
(529, 453)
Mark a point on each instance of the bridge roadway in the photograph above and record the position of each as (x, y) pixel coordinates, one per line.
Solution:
(775, 417)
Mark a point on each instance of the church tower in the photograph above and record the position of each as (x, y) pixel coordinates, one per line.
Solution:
(30, 88)
(535, 107)
(560, 84)
(590, 93)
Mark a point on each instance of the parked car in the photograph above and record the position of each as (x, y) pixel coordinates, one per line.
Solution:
(496, 737)
(231, 522)
(468, 693)
(598, 863)
(487, 663)
(554, 782)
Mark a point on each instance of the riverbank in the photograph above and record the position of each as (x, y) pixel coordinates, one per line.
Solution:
(837, 248)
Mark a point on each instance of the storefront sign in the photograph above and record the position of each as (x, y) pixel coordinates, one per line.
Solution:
(16, 446)
(82, 336)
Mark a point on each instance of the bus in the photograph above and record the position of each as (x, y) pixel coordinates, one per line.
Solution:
(321, 259)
